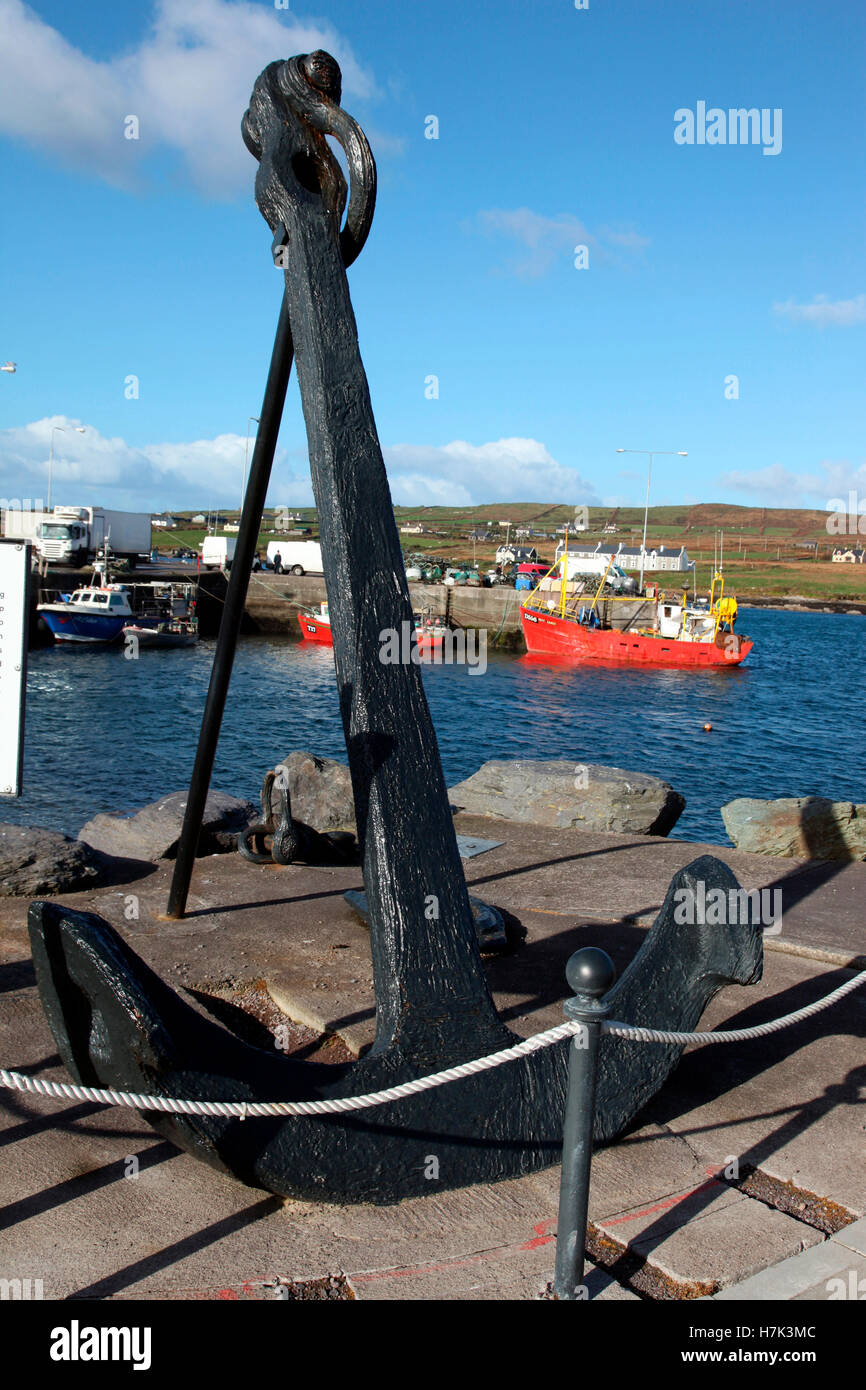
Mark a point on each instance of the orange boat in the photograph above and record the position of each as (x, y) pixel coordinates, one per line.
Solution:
(661, 631)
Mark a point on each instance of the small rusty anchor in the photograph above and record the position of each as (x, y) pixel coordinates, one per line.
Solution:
(280, 839)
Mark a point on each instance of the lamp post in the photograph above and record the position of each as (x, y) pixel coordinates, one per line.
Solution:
(679, 453)
(246, 455)
(79, 429)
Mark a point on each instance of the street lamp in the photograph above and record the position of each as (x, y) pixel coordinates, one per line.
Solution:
(79, 429)
(246, 453)
(678, 453)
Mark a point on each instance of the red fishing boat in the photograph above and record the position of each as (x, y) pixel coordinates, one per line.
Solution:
(652, 629)
(429, 633)
(316, 626)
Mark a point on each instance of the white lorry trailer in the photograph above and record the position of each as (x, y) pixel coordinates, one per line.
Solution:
(75, 535)
(297, 557)
(23, 525)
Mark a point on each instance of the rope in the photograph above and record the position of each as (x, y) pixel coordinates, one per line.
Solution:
(242, 1109)
(761, 1030)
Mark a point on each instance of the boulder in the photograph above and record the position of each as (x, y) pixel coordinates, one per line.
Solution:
(320, 790)
(806, 827)
(35, 861)
(568, 795)
(153, 832)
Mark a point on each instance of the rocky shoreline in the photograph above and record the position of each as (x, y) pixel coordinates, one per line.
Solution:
(544, 795)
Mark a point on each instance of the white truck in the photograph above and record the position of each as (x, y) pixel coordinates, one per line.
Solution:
(297, 557)
(217, 552)
(74, 535)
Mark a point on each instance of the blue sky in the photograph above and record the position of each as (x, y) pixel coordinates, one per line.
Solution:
(148, 257)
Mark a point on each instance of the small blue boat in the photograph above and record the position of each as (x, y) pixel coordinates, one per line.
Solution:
(89, 615)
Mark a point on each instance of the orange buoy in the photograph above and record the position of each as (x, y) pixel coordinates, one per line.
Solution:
(708, 728)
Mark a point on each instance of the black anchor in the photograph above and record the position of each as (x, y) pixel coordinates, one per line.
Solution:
(278, 838)
(116, 1023)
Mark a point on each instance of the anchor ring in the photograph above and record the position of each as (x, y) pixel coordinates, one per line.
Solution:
(311, 86)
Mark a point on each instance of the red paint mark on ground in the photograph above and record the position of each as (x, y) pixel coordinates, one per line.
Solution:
(666, 1205)
(541, 1237)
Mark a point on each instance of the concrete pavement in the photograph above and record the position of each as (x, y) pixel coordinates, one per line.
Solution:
(748, 1161)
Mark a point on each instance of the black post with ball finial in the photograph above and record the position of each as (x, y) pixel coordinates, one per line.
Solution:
(591, 974)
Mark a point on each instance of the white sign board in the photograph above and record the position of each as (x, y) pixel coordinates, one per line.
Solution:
(14, 618)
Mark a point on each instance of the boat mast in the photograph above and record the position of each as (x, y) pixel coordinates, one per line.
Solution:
(562, 584)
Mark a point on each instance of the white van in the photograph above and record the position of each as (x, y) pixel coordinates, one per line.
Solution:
(217, 552)
(297, 557)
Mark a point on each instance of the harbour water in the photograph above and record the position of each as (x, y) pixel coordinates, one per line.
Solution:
(105, 733)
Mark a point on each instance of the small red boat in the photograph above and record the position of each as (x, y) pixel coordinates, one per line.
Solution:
(429, 633)
(664, 632)
(316, 627)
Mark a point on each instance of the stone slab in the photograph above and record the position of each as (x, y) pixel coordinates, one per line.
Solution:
(711, 1235)
(789, 1104)
(826, 1273)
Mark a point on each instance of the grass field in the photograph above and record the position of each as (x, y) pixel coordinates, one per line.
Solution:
(774, 552)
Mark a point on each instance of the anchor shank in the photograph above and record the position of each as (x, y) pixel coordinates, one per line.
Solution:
(427, 967)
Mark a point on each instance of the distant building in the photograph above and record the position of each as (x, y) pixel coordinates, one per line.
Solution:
(848, 555)
(199, 519)
(414, 529)
(517, 555)
(628, 557)
(165, 523)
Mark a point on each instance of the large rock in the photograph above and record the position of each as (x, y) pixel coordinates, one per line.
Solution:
(808, 827)
(153, 832)
(567, 795)
(35, 861)
(320, 790)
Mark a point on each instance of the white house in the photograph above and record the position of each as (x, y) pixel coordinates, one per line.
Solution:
(628, 557)
(848, 555)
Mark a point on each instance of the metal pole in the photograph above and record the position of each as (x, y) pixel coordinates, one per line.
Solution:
(233, 612)
(645, 518)
(590, 973)
(246, 457)
(54, 429)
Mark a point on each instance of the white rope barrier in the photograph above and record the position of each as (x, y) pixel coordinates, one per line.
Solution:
(241, 1110)
(761, 1030)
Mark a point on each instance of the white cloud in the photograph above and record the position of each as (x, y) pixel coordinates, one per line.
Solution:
(552, 240)
(825, 313)
(91, 469)
(777, 486)
(462, 474)
(188, 81)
